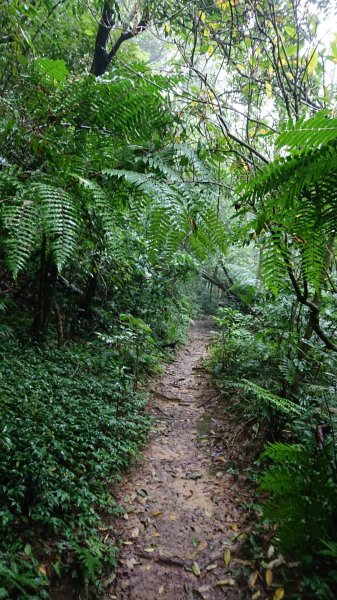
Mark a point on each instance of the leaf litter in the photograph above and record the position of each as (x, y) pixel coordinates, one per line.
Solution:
(187, 539)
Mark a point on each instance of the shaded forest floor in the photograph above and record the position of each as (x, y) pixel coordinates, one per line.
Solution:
(186, 520)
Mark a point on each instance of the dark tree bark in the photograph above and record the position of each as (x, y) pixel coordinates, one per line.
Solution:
(89, 294)
(46, 293)
(102, 56)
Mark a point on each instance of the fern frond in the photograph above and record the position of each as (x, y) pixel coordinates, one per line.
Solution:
(59, 221)
(312, 133)
(21, 220)
(261, 394)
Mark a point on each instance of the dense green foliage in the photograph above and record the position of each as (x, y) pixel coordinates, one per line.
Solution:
(79, 423)
(156, 143)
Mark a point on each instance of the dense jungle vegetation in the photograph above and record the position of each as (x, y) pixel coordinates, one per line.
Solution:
(148, 148)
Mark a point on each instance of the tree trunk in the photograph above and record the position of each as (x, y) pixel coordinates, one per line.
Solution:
(89, 294)
(45, 295)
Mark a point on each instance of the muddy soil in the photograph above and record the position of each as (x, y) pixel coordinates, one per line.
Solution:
(185, 519)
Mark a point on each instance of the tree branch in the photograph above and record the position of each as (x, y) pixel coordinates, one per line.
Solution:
(103, 57)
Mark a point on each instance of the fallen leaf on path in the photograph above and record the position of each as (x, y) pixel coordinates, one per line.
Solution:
(173, 517)
(269, 577)
(256, 595)
(42, 569)
(161, 589)
(109, 580)
(241, 561)
(279, 594)
(227, 556)
(156, 513)
(202, 546)
(131, 562)
(196, 569)
(211, 567)
(276, 562)
(149, 550)
(253, 579)
(234, 527)
(223, 582)
(271, 551)
(189, 495)
(135, 533)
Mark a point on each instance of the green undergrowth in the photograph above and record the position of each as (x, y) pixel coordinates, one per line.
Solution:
(254, 366)
(71, 421)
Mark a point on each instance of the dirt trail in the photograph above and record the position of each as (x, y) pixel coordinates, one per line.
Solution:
(182, 507)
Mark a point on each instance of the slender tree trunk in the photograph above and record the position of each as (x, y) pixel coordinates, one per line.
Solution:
(303, 351)
(309, 330)
(89, 294)
(46, 293)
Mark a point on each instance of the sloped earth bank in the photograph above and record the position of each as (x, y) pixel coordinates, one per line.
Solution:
(185, 523)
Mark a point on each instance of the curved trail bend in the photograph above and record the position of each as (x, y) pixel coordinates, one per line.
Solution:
(182, 509)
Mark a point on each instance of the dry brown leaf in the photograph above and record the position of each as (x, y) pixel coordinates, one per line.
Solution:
(279, 594)
(131, 562)
(156, 513)
(173, 517)
(109, 580)
(242, 561)
(256, 595)
(211, 567)
(149, 550)
(161, 589)
(269, 577)
(276, 562)
(223, 582)
(202, 546)
(135, 532)
(253, 579)
(42, 569)
(222, 459)
(227, 557)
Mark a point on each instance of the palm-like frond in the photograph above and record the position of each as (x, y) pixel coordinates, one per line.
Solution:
(297, 195)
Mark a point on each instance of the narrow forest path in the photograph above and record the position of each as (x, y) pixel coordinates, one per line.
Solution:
(183, 511)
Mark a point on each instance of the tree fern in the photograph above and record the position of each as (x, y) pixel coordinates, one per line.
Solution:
(40, 209)
(20, 220)
(298, 195)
